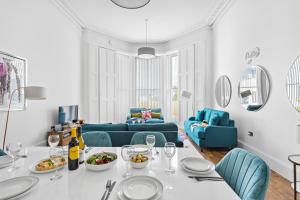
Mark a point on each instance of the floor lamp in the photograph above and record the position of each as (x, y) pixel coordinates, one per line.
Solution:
(187, 96)
(30, 93)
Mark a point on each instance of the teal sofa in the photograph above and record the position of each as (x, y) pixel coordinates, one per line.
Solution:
(148, 121)
(121, 134)
(220, 131)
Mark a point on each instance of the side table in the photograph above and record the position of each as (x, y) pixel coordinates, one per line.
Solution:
(295, 159)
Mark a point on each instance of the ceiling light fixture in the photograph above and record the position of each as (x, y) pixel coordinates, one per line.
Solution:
(131, 4)
(146, 52)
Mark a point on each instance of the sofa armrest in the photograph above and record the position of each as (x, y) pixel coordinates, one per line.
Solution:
(192, 118)
(161, 117)
(220, 134)
(128, 117)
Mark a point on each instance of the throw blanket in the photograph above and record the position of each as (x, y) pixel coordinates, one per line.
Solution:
(195, 126)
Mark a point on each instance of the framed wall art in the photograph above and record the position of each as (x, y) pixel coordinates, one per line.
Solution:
(12, 81)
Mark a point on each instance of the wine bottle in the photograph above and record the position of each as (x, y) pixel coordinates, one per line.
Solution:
(73, 158)
(81, 144)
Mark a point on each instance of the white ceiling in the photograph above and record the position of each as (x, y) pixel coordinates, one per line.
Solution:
(168, 19)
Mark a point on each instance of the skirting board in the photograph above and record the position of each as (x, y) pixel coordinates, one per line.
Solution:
(276, 165)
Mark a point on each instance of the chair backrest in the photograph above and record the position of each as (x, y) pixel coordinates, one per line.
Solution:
(140, 138)
(246, 173)
(97, 139)
(2, 153)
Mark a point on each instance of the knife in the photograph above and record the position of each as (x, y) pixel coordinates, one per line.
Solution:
(110, 189)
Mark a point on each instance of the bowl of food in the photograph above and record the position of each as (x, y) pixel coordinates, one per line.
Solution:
(139, 161)
(101, 161)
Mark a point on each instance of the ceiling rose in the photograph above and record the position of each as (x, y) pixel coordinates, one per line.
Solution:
(131, 4)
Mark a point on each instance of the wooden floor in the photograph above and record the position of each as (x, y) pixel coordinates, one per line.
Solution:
(279, 188)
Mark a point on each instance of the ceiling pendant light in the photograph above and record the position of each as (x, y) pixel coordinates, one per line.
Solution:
(131, 4)
(146, 52)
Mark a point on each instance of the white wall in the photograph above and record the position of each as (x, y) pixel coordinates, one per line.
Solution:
(37, 31)
(273, 26)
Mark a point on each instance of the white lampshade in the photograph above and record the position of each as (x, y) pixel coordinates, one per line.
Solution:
(35, 93)
(146, 52)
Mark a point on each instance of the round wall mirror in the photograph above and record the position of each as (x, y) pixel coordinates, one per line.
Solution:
(254, 88)
(223, 91)
(293, 84)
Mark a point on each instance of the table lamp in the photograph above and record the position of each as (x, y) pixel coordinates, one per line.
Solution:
(30, 93)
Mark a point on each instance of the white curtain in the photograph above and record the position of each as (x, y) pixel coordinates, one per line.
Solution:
(148, 83)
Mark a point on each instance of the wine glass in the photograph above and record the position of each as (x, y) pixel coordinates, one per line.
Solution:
(53, 141)
(58, 152)
(170, 150)
(126, 152)
(13, 149)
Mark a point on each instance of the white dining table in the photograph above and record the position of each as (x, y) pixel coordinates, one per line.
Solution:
(83, 184)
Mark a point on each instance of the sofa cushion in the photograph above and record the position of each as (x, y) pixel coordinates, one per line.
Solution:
(104, 127)
(200, 115)
(136, 115)
(155, 115)
(153, 127)
(214, 119)
(224, 116)
(154, 120)
(156, 110)
(136, 110)
(207, 114)
(2, 153)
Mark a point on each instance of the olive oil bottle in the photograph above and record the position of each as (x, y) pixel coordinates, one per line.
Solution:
(73, 158)
(81, 144)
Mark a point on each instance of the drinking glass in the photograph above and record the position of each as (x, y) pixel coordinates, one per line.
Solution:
(170, 150)
(127, 152)
(150, 141)
(57, 152)
(53, 141)
(13, 149)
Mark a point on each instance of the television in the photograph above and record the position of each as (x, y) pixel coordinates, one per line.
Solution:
(67, 114)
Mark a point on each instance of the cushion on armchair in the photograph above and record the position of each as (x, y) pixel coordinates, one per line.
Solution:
(136, 115)
(155, 115)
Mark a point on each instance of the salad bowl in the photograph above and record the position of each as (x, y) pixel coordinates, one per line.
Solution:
(101, 161)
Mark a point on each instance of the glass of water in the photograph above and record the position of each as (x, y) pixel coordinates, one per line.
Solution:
(53, 141)
(13, 149)
(170, 150)
(150, 141)
(127, 152)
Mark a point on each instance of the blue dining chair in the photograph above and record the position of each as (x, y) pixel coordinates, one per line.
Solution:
(97, 139)
(246, 173)
(2, 153)
(140, 138)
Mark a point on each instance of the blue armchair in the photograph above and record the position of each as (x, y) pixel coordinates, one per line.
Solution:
(130, 117)
(220, 131)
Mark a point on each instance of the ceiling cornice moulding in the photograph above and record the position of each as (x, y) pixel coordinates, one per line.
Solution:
(218, 11)
(65, 8)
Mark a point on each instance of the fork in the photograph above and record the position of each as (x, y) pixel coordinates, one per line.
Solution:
(108, 184)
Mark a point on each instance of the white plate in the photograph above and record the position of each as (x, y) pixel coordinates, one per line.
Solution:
(14, 187)
(141, 148)
(196, 164)
(212, 168)
(33, 170)
(140, 188)
(5, 161)
(158, 195)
